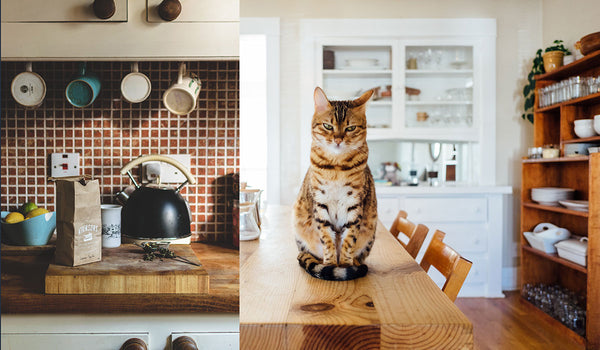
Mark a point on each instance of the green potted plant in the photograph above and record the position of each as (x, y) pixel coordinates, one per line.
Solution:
(529, 89)
(553, 55)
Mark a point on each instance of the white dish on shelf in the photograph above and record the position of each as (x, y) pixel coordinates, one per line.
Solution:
(597, 123)
(576, 205)
(545, 235)
(574, 249)
(593, 149)
(584, 128)
(551, 195)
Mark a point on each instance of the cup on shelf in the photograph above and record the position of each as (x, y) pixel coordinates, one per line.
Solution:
(584, 128)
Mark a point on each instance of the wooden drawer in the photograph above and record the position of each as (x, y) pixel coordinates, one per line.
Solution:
(68, 341)
(209, 341)
(57, 11)
(198, 11)
(446, 209)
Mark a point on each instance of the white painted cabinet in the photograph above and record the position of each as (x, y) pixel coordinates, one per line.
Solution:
(108, 332)
(475, 221)
(32, 11)
(206, 29)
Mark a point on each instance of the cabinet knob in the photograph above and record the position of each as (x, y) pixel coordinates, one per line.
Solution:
(184, 343)
(104, 9)
(169, 10)
(134, 344)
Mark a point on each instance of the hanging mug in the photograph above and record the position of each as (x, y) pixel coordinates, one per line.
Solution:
(181, 97)
(135, 86)
(83, 89)
(28, 88)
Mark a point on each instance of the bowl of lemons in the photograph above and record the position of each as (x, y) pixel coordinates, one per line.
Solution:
(29, 226)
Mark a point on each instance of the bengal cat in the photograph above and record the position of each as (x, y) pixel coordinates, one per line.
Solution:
(336, 210)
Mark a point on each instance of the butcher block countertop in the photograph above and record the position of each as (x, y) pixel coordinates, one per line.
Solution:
(23, 271)
(396, 306)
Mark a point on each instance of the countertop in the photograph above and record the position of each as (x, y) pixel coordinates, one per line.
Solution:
(396, 305)
(23, 287)
(444, 189)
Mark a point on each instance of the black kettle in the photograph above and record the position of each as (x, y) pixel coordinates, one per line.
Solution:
(156, 212)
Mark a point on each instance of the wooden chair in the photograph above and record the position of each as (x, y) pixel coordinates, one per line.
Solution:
(448, 262)
(416, 233)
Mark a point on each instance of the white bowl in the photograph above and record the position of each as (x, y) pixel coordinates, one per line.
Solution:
(584, 128)
(597, 123)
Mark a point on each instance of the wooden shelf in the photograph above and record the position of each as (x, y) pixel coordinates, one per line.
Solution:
(554, 322)
(589, 61)
(556, 259)
(583, 140)
(561, 210)
(557, 160)
(585, 100)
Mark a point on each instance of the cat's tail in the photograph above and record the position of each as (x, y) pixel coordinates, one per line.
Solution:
(314, 268)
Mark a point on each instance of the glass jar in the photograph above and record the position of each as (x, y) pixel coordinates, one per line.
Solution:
(248, 224)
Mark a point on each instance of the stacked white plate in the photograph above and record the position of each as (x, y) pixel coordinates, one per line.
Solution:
(576, 205)
(551, 195)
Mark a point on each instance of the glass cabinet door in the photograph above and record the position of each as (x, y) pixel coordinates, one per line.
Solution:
(439, 83)
(350, 70)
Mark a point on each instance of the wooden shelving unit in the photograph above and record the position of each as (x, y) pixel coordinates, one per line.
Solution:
(554, 125)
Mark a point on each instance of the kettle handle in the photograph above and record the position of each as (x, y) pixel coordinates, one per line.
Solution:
(159, 158)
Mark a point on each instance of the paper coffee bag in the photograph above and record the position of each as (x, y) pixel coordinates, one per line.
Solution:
(78, 221)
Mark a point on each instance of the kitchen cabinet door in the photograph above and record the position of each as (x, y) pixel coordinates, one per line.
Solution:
(33, 11)
(198, 11)
(68, 341)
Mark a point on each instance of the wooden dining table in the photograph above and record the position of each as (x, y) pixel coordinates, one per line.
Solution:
(396, 306)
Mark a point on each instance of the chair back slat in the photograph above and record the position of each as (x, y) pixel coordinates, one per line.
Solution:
(416, 233)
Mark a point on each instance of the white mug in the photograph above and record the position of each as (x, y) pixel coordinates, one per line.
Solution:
(135, 86)
(181, 97)
(28, 88)
(111, 225)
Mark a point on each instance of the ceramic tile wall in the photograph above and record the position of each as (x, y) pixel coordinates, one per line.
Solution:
(111, 132)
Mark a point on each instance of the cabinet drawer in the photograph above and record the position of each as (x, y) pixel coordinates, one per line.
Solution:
(387, 209)
(448, 209)
(57, 11)
(464, 238)
(68, 341)
(209, 341)
(198, 11)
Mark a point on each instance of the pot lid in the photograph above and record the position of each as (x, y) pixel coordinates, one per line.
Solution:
(28, 89)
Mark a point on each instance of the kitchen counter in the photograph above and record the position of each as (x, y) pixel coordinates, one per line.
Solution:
(396, 305)
(23, 271)
(444, 189)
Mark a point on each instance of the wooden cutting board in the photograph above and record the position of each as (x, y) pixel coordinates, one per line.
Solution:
(124, 271)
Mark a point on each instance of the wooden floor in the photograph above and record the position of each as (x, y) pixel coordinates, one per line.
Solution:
(508, 324)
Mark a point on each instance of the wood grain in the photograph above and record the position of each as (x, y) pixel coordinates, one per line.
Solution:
(23, 288)
(593, 277)
(395, 306)
(123, 270)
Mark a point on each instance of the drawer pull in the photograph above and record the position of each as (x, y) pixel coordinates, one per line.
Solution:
(134, 344)
(104, 9)
(184, 343)
(169, 10)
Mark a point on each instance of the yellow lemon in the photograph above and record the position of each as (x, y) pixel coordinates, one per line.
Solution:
(36, 212)
(13, 218)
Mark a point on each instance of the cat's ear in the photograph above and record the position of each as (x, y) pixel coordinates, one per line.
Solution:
(321, 101)
(363, 99)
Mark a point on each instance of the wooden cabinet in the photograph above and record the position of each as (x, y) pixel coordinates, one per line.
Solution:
(38, 11)
(554, 125)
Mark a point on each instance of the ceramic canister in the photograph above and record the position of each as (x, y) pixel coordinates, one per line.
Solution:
(28, 88)
(135, 86)
(181, 97)
(111, 225)
(83, 89)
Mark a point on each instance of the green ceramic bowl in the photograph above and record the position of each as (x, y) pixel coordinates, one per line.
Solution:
(35, 231)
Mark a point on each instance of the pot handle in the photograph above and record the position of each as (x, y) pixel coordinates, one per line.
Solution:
(159, 158)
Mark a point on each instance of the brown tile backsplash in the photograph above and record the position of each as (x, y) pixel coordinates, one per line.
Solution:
(111, 132)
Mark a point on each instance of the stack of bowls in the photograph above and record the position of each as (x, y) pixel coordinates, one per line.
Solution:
(585, 128)
(551, 195)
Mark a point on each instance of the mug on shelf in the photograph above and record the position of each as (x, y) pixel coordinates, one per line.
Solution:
(84, 88)
(28, 88)
(181, 97)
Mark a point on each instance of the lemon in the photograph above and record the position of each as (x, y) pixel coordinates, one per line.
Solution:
(36, 212)
(13, 218)
(27, 207)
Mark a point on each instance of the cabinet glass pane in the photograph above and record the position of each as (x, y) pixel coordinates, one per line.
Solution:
(348, 71)
(439, 86)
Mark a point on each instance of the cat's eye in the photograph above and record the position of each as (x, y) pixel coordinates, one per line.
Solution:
(351, 128)
(328, 126)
